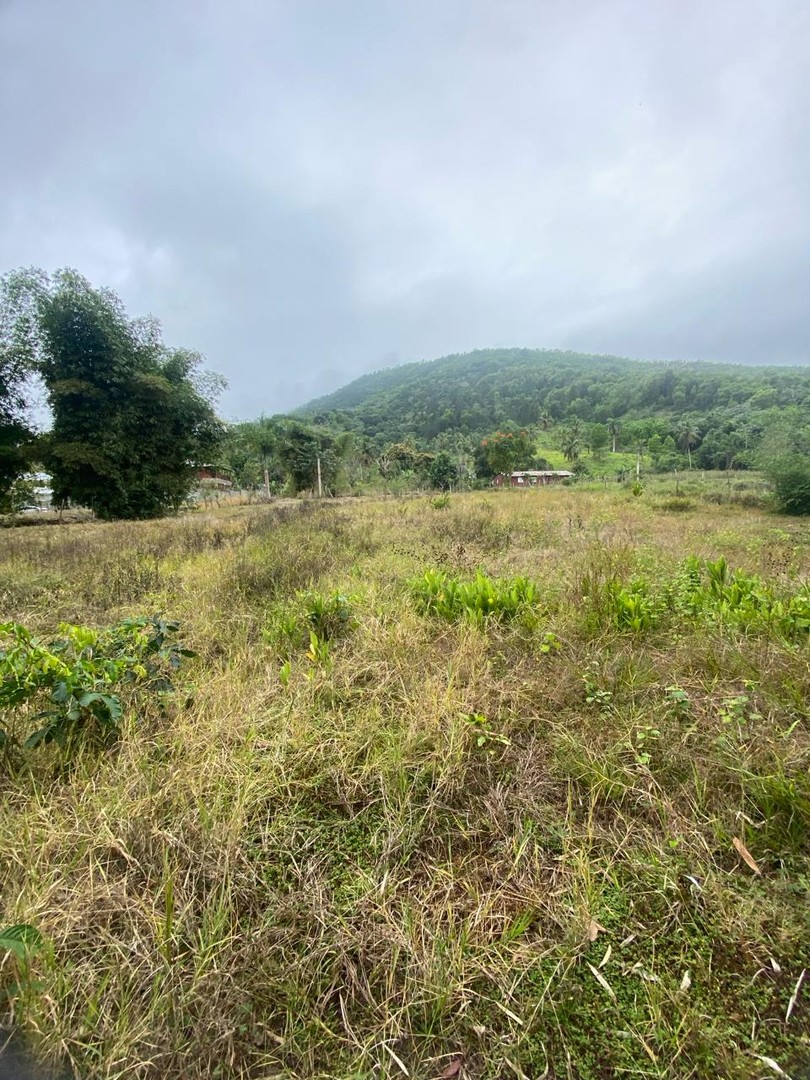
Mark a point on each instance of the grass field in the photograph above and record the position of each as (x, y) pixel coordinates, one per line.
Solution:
(377, 832)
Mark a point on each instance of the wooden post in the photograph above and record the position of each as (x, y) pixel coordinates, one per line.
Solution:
(320, 491)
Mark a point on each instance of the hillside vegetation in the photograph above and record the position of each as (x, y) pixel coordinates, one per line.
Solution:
(485, 785)
(480, 391)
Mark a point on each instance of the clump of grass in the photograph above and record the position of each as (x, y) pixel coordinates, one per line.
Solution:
(312, 619)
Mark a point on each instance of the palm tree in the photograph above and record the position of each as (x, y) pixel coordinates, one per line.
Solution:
(571, 442)
(688, 438)
(262, 439)
(614, 430)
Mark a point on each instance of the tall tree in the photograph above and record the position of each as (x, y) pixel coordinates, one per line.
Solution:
(262, 438)
(17, 323)
(301, 450)
(507, 450)
(132, 419)
(571, 440)
(614, 427)
(688, 438)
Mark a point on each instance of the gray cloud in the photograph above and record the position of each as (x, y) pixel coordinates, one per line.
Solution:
(307, 190)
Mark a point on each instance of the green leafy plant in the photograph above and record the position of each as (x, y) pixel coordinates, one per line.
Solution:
(486, 738)
(550, 643)
(595, 693)
(641, 744)
(436, 593)
(679, 700)
(329, 617)
(319, 650)
(20, 940)
(72, 685)
(632, 605)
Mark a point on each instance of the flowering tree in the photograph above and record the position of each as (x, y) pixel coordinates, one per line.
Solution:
(508, 450)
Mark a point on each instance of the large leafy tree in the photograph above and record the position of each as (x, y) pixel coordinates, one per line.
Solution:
(301, 450)
(506, 451)
(132, 418)
(785, 457)
(262, 438)
(17, 324)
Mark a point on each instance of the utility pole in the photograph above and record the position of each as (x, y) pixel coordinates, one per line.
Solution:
(320, 491)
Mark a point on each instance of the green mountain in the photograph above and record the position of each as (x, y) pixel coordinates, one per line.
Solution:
(481, 391)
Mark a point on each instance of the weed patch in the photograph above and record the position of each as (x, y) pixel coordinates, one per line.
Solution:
(437, 593)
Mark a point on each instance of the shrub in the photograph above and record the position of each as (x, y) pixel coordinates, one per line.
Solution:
(677, 504)
(790, 478)
(329, 616)
(73, 683)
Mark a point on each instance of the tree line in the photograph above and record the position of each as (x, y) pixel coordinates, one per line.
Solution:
(133, 419)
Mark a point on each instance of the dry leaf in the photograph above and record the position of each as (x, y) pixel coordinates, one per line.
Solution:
(606, 957)
(795, 995)
(399, 1061)
(746, 855)
(777, 1068)
(600, 978)
(775, 966)
(647, 976)
(452, 1069)
(594, 930)
(509, 1013)
(686, 981)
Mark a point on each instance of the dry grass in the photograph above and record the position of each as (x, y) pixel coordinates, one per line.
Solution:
(329, 869)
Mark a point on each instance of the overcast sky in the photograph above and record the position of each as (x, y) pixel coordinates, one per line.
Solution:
(305, 191)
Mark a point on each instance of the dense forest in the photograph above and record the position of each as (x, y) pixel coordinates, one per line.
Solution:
(490, 388)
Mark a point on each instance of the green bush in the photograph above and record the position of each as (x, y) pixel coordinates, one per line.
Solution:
(790, 478)
(71, 686)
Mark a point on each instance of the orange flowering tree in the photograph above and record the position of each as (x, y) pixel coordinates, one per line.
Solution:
(508, 450)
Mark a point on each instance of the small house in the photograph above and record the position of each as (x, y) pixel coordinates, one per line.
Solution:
(526, 478)
(215, 477)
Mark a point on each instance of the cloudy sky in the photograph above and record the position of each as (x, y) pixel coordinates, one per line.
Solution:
(306, 190)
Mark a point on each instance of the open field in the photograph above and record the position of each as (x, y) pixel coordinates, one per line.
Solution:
(375, 833)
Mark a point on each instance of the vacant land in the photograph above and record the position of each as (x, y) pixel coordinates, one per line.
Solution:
(397, 819)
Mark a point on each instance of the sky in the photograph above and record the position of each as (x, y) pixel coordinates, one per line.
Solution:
(307, 190)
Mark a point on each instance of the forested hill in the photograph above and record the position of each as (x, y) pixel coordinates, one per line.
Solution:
(480, 391)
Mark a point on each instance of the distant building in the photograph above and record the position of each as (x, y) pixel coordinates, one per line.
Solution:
(532, 478)
(214, 477)
(41, 490)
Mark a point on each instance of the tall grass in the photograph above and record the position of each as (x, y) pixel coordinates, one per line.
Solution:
(460, 845)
